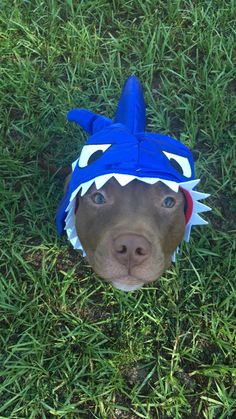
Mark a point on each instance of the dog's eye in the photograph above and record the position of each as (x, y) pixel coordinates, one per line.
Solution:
(169, 202)
(90, 153)
(98, 198)
(179, 163)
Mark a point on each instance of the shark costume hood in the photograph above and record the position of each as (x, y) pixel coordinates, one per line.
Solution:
(121, 148)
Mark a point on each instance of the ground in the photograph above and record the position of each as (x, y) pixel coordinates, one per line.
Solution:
(71, 345)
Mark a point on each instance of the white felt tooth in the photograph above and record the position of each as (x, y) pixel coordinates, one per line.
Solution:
(74, 239)
(150, 180)
(69, 218)
(68, 231)
(74, 242)
(70, 221)
(85, 187)
(173, 257)
(71, 233)
(187, 232)
(78, 245)
(172, 185)
(73, 195)
(190, 184)
(197, 220)
(199, 195)
(69, 213)
(74, 164)
(199, 207)
(71, 230)
(101, 180)
(70, 205)
(123, 179)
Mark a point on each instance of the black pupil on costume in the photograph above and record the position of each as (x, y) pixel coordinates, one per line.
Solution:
(176, 166)
(95, 156)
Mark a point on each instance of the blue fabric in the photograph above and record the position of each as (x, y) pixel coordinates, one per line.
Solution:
(131, 107)
(132, 150)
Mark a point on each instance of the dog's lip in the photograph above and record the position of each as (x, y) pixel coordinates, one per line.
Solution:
(127, 279)
(127, 283)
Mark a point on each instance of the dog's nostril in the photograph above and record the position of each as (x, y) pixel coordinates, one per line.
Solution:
(131, 249)
(122, 250)
(139, 251)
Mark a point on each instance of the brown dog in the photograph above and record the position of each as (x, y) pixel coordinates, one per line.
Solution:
(131, 198)
(129, 233)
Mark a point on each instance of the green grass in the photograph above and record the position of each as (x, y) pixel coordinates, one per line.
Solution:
(72, 346)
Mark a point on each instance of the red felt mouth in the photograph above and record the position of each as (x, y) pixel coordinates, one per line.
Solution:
(189, 206)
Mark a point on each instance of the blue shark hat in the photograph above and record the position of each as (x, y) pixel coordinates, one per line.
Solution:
(121, 148)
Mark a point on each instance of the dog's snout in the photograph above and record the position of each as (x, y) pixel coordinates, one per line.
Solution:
(131, 249)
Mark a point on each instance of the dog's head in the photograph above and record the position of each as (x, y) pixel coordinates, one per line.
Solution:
(124, 166)
(129, 233)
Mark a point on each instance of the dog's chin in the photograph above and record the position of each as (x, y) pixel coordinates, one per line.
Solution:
(124, 287)
(125, 284)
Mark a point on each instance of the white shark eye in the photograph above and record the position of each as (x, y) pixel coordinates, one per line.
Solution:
(180, 163)
(90, 153)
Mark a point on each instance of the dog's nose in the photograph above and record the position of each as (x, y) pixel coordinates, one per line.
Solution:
(131, 249)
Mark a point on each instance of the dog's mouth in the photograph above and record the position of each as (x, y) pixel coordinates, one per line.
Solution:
(127, 283)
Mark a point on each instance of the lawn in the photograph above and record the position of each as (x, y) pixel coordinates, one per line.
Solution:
(72, 346)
